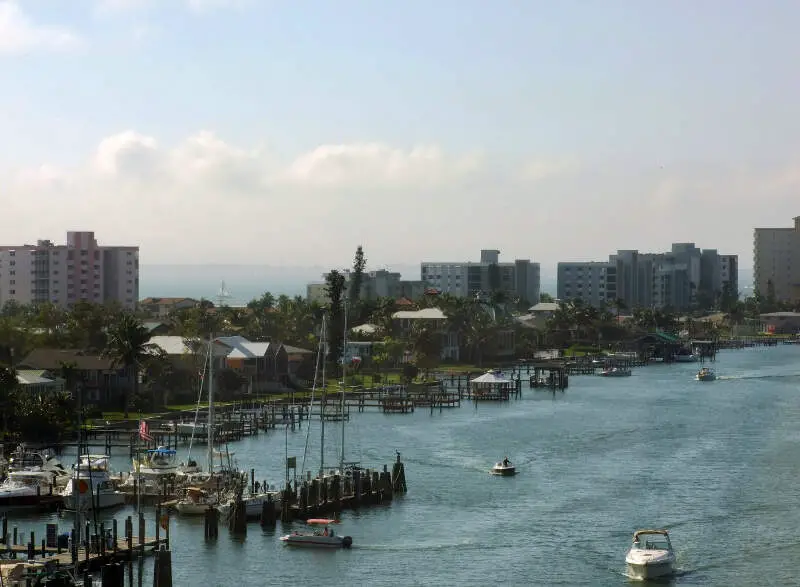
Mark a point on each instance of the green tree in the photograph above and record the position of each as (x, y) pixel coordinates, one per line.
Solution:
(334, 289)
(357, 277)
(129, 346)
(8, 392)
(427, 346)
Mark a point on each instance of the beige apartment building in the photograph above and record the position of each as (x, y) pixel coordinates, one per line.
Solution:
(776, 259)
(81, 270)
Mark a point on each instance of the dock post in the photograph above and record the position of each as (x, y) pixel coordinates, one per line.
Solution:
(211, 523)
(238, 520)
(102, 539)
(114, 534)
(87, 580)
(129, 536)
(268, 512)
(399, 476)
(4, 536)
(162, 568)
(15, 536)
(158, 523)
(142, 530)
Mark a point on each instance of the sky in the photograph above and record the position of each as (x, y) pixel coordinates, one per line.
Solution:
(288, 132)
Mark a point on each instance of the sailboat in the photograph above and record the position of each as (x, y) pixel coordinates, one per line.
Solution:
(207, 489)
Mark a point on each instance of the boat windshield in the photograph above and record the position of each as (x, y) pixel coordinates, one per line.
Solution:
(652, 542)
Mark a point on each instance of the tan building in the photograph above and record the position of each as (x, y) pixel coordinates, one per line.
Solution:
(776, 259)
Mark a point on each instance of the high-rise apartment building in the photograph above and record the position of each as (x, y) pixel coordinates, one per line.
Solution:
(81, 270)
(594, 282)
(521, 278)
(680, 278)
(776, 261)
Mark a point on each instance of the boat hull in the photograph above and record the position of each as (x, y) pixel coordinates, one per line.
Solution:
(312, 541)
(706, 377)
(644, 571)
(199, 509)
(649, 564)
(504, 471)
(102, 501)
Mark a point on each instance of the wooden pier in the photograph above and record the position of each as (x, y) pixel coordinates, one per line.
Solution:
(96, 549)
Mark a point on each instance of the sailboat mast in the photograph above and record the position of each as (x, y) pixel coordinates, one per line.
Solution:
(210, 403)
(344, 383)
(324, 351)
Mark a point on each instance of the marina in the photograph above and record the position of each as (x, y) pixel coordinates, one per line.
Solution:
(545, 435)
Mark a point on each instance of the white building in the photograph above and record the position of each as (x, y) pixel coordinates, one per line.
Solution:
(594, 282)
(81, 270)
(520, 278)
(776, 259)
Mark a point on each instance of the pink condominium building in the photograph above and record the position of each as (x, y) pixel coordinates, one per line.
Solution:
(81, 270)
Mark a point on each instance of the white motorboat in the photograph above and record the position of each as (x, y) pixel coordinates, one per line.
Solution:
(706, 374)
(504, 468)
(157, 462)
(615, 372)
(319, 538)
(26, 488)
(684, 358)
(23, 460)
(92, 486)
(651, 555)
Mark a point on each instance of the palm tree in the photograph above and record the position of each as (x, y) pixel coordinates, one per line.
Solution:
(129, 346)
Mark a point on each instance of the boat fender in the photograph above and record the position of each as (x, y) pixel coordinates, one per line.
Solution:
(347, 542)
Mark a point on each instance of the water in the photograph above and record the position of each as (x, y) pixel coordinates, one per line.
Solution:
(714, 462)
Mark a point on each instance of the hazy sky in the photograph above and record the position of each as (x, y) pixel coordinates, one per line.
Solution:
(288, 132)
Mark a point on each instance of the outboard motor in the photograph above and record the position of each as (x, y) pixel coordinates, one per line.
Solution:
(347, 542)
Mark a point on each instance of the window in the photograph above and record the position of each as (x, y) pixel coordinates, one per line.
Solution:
(12, 292)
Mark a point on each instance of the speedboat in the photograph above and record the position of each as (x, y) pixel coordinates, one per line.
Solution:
(706, 374)
(318, 539)
(651, 555)
(92, 485)
(157, 462)
(504, 469)
(615, 372)
(26, 488)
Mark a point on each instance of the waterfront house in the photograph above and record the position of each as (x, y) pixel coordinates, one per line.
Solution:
(101, 381)
(39, 382)
(435, 318)
(157, 328)
(781, 322)
(264, 365)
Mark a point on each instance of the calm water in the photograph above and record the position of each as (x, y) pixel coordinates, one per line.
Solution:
(716, 463)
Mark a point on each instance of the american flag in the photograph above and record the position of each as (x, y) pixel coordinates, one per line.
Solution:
(144, 431)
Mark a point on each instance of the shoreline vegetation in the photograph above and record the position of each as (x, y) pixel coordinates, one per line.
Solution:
(139, 378)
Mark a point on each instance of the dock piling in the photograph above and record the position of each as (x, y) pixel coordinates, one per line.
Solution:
(162, 568)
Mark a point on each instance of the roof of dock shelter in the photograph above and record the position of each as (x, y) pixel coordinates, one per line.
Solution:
(491, 377)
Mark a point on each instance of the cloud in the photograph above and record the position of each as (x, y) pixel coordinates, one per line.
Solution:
(20, 34)
(195, 6)
(207, 200)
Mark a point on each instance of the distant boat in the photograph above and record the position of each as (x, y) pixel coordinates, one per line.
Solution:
(615, 372)
(651, 559)
(706, 374)
(318, 539)
(504, 469)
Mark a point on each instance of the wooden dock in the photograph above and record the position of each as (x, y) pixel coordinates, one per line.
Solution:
(102, 547)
